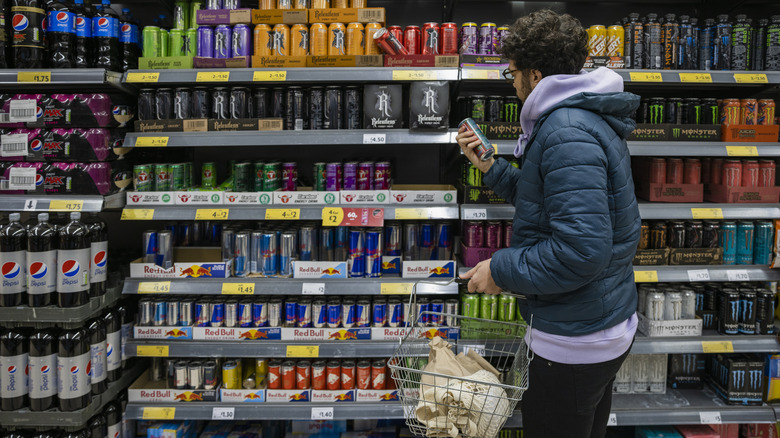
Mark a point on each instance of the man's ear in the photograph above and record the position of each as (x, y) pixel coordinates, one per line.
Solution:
(536, 76)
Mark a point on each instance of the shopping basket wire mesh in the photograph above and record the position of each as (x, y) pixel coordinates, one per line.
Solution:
(477, 405)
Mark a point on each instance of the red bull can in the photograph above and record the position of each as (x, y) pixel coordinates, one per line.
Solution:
(245, 314)
(160, 313)
(396, 313)
(327, 245)
(145, 312)
(217, 314)
(451, 308)
(421, 312)
(373, 252)
(307, 244)
(362, 313)
(268, 254)
(484, 150)
(186, 312)
(340, 238)
(348, 313)
(392, 242)
(275, 312)
(436, 308)
(304, 314)
(150, 246)
(357, 259)
(202, 314)
(319, 313)
(380, 313)
(172, 313)
(444, 241)
(334, 313)
(427, 242)
(260, 314)
(290, 312)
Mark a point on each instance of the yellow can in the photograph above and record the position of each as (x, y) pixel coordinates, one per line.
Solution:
(301, 4)
(336, 36)
(320, 4)
(231, 375)
(281, 39)
(358, 4)
(339, 4)
(267, 4)
(615, 40)
(299, 40)
(355, 39)
(597, 40)
(261, 367)
(368, 40)
(318, 39)
(263, 38)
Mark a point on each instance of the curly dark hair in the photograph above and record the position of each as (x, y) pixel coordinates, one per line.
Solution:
(548, 42)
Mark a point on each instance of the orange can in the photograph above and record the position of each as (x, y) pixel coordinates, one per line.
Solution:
(615, 37)
(766, 112)
(299, 40)
(355, 39)
(301, 4)
(368, 40)
(358, 4)
(318, 39)
(339, 4)
(267, 4)
(336, 43)
(320, 4)
(263, 39)
(597, 40)
(731, 111)
(284, 4)
(281, 37)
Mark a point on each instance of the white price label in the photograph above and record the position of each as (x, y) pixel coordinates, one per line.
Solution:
(313, 288)
(23, 111)
(321, 413)
(374, 139)
(738, 275)
(612, 420)
(699, 275)
(13, 145)
(30, 204)
(223, 413)
(21, 178)
(479, 349)
(710, 418)
(475, 214)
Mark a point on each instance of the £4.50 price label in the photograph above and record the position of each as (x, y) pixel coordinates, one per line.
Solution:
(207, 214)
(374, 138)
(158, 414)
(212, 76)
(321, 413)
(34, 76)
(154, 287)
(66, 205)
(238, 288)
(281, 214)
(223, 414)
(698, 275)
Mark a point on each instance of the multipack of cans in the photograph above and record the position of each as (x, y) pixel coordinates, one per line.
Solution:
(490, 234)
(60, 144)
(333, 375)
(483, 108)
(716, 171)
(737, 378)
(641, 374)
(486, 39)
(494, 307)
(96, 110)
(317, 39)
(431, 39)
(706, 111)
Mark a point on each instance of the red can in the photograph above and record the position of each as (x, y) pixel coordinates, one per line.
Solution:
(430, 39)
(397, 32)
(750, 171)
(288, 375)
(658, 171)
(766, 112)
(412, 36)
(716, 171)
(732, 173)
(364, 375)
(731, 111)
(389, 44)
(706, 165)
(303, 375)
(748, 112)
(275, 374)
(333, 375)
(692, 172)
(474, 234)
(766, 173)
(348, 374)
(318, 375)
(675, 170)
(378, 374)
(448, 38)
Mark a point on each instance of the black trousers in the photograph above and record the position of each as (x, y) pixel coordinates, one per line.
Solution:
(568, 401)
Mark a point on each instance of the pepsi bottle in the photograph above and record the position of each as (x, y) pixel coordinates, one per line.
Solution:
(98, 249)
(73, 366)
(73, 253)
(13, 370)
(61, 35)
(97, 347)
(113, 414)
(84, 44)
(43, 370)
(113, 322)
(97, 427)
(27, 36)
(4, 43)
(126, 329)
(105, 31)
(128, 39)
(13, 255)
(41, 263)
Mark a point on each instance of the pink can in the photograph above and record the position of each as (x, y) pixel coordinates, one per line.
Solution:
(732, 173)
(507, 234)
(750, 171)
(289, 177)
(493, 234)
(382, 176)
(716, 171)
(474, 234)
(766, 173)
(365, 176)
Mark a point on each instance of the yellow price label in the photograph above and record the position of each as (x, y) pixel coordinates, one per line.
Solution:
(645, 77)
(238, 288)
(269, 76)
(66, 205)
(742, 151)
(158, 414)
(717, 346)
(152, 351)
(696, 77)
(151, 142)
(395, 288)
(646, 276)
(137, 214)
(481, 74)
(212, 76)
(332, 216)
(750, 78)
(303, 351)
(282, 214)
(414, 75)
(42, 77)
(412, 213)
(707, 213)
(143, 77)
(154, 287)
(207, 214)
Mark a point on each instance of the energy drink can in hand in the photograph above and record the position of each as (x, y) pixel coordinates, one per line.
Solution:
(485, 150)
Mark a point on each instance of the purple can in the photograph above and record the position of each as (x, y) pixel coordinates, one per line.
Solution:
(242, 37)
(469, 38)
(487, 34)
(350, 175)
(206, 41)
(507, 234)
(498, 37)
(474, 234)
(332, 177)
(493, 234)
(223, 36)
(289, 177)
(382, 176)
(365, 176)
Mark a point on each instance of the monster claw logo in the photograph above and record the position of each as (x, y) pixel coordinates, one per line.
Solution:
(344, 397)
(343, 335)
(331, 271)
(338, 40)
(755, 379)
(747, 310)
(689, 363)
(431, 100)
(383, 103)
(393, 396)
(739, 378)
(734, 310)
(676, 132)
(195, 271)
(253, 334)
(302, 397)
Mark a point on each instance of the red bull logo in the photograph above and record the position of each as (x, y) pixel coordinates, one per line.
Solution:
(348, 396)
(392, 396)
(302, 397)
(331, 271)
(440, 270)
(175, 333)
(432, 333)
(253, 334)
(389, 265)
(195, 271)
(253, 396)
(188, 397)
(343, 335)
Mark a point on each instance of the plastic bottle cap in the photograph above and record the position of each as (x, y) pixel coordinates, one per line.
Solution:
(107, 2)
(75, 215)
(14, 217)
(43, 217)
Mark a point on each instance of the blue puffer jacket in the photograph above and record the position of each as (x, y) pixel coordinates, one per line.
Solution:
(576, 224)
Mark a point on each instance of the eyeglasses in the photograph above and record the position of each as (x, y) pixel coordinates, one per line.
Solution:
(508, 74)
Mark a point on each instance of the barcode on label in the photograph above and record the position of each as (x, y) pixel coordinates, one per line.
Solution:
(448, 60)
(4, 184)
(5, 117)
(195, 125)
(21, 178)
(267, 124)
(13, 145)
(22, 113)
(371, 14)
(299, 124)
(23, 110)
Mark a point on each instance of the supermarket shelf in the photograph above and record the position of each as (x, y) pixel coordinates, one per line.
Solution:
(678, 148)
(695, 344)
(491, 212)
(55, 418)
(60, 316)
(295, 138)
(268, 411)
(62, 78)
(677, 274)
(660, 210)
(88, 203)
(307, 213)
(651, 77)
(294, 286)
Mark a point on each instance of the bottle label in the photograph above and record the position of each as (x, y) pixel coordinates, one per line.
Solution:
(61, 21)
(126, 330)
(113, 350)
(72, 376)
(98, 357)
(98, 269)
(13, 376)
(83, 26)
(73, 272)
(126, 33)
(115, 430)
(41, 272)
(105, 27)
(136, 34)
(43, 376)
(13, 266)
(26, 24)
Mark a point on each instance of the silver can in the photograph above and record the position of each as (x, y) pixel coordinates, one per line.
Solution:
(688, 303)
(165, 249)
(186, 312)
(231, 314)
(275, 312)
(195, 375)
(242, 257)
(145, 312)
(451, 308)
(654, 306)
(673, 306)
(180, 380)
(319, 313)
(228, 244)
(255, 252)
(287, 253)
(172, 313)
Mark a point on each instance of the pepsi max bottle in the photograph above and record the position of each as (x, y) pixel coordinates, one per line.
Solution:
(41, 263)
(113, 322)
(97, 346)
(13, 370)
(113, 414)
(98, 249)
(73, 367)
(84, 44)
(97, 427)
(126, 329)
(128, 39)
(105, 31)
(43, 370)
(61, 35)
(13, 252)
(73, 253)
(27, 35)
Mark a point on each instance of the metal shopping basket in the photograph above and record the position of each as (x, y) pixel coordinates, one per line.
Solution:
(476, 406)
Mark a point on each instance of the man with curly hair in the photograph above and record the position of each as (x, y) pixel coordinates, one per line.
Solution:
(575, 229)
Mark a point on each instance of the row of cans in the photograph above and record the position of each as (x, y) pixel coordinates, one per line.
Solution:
(432, 39)
(472, 176)
(223, 41)
(318, 39)
(706, 111)
(603, 41)
(161, 177)
(352, 175)
(330, 375)
(159, 42)
(485, 39)
(190, 374)
(311, 4)
(495, 307)
(716, 171)
(490, 234)
(484, 108)
(743, 242)
(747, 111)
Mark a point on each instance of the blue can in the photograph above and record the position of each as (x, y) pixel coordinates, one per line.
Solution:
(319, 313)
(202, 314)
(242, 40)
(380, 313)
(260, 314)
(150, 246)
(443, 241)
(396, 312)
(242, 257)
(268, 254)
(213, 234)
(436, 307)
(186, 236)
(745, 237)
(160, 313)
(217, 314)
(334, 313)
(288, 250)
(327, 244)
(357, 257)
(205, 41)
(223, 36)
(340, 238)
(373, 253)
(245, 314)
(290, 313)
(427, 243)
(363, 313)
(174, 229)
(303, 318)
(421, 312)
(348, 314)
(392, 239)
(762, 245)
(307, 244)
(728, 241)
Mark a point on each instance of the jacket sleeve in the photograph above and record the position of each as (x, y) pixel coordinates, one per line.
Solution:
(574, 172)
(503, 178)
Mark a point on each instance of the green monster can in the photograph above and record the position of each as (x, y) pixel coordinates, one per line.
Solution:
(195, 6)
(271, 175)
(470, 305)
(179, 176)
(143, 178)
(488, 306)
(190, 42)
(242, 176)
(208, 175)
(176, 46)
(473, 175)
(162, 177)
(319, 177)
(151, 42)
(164, 43)
(257, 178)
(507, 305)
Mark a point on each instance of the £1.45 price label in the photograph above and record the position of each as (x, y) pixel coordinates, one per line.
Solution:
(238, 288)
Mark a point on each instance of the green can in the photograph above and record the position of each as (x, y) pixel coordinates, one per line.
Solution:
(191, 43)
(208, 175)
(195, 6)
(242, 176)
(271, 173)
(176, 46)
(231, 165)
(488, 306)
(473, 175)
(470, 305)
(319, 177)
(142, 178)
(151, 41)
(179, 176)
(181, 15)
(164, 43)
(507, 306)
(162, 177)
(189, 174)
(257, 178)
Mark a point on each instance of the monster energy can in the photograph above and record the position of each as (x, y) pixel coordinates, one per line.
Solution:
(488, 306)
(656, 109)
(470, 305)
(510, 109)
(506, 308)
(477, 107)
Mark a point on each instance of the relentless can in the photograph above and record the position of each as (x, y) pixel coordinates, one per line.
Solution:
(354, 44)
(318, 39)
(336, 39)
(388, 43)
(299, 40)
(280, 42)
(223, 37)
(263, 38)
(353, 108)
(369, 41)
(448, 39)
(412, 39)
(333, 109)
(151, 42)
(430, 39)
(316, 107)
(483, 151)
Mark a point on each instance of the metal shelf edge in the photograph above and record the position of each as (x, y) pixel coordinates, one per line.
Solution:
(276, 411)
(52, 314)
(308, 213)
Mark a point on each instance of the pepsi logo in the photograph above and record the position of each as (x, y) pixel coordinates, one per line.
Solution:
(115, 109)
(45, 369)
(70, 268)
(38, 179)
(109, 349)
(116, 435)
(38, 270)
(103, 23)
(38, 112)
(126, 29)
(100, 259)
(74, 369)
(81, 23)
(11, 369)
(11, 269)
(20, 22)
(36, 145)
(89, 368)
(62, 17)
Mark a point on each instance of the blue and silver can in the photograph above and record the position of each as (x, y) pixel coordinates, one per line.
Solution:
(186, 312)
(745, 237)
(728, 241)
(223, 37)
(327, 244)
(334, 313)
(275, 312)
(348, 313)
(319, 313)
(307, 244)
(340, 238)
(150, 246)
(213, 233)
(228, 244)
(380, 313)
(290, 312)
(363, 311)
(762, 246)
(436, 308)
(396, 312)
(421, 312)
(185, 235)
(287, 253)
(231, 314)
(392, 239)
(255, 252)
(411, 241)
(485, 149)
(427, 243)
(165, 249)
(444, 241)
(217, 314)
(160, 313)
(357, 258)
(202, 314)
(241, 259)
(304, 316)
(172, 313)
(260, 314)
(245, 314)
(373, 253)
(205, 42)
(268, 254)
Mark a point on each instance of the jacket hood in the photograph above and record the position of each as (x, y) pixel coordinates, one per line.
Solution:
(599, 91)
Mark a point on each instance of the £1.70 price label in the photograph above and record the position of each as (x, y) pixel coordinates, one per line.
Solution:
(698, 275)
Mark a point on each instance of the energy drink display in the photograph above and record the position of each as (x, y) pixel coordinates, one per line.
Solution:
(484, 108)
(706, 111)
